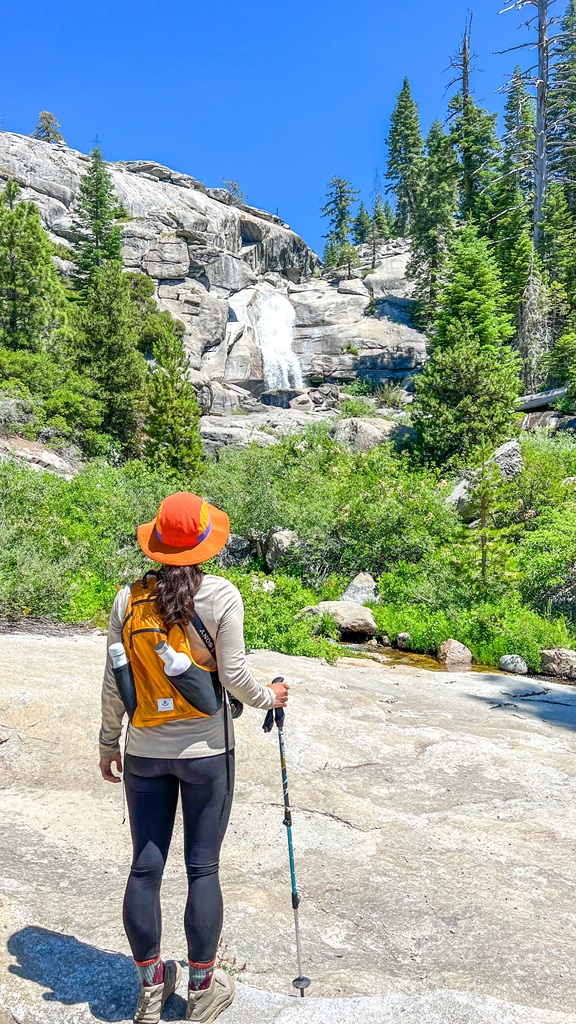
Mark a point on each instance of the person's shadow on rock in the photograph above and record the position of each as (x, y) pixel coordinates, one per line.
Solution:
(75, 972)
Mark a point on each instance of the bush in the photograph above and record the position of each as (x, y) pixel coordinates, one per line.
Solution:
(353, 513)
(272, 618)
(489, 630)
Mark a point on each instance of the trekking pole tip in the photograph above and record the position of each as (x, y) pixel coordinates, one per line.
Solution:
(301, 983)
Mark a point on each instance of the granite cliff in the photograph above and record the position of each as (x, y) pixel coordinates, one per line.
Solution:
(257, 313)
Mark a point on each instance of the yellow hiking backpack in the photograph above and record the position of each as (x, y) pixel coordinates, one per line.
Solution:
(149, 695)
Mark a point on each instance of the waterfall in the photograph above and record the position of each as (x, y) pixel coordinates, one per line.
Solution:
(272, 317)
(275, 317)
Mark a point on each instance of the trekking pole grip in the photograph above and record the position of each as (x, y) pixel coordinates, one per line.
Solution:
(274, 714)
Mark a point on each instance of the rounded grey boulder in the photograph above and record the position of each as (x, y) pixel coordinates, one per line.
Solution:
(513, 663)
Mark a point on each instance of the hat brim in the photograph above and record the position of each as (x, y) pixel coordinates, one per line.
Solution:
(153, 547)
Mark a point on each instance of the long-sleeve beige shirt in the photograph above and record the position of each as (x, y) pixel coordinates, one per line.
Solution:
(219, 605)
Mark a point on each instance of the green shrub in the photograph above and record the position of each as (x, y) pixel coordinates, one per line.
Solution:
(489, 630)
(353, 513)
(272, 620)
(356, 407)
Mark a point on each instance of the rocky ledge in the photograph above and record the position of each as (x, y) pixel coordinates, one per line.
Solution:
(434, 816)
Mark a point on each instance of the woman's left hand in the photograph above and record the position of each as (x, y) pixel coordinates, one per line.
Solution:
(106, 768)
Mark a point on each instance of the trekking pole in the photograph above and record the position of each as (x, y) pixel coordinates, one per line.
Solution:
(277, 715)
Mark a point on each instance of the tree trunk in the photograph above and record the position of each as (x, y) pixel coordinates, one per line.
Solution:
(542, 84)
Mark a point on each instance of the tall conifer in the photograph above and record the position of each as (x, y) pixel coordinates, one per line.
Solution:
(172, 431)
(434, 220)
(405, 159)
(107, 335)
(98, 237)
(31, 296)
(340, 198)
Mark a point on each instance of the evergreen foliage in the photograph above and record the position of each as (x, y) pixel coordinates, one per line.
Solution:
(31, 296)
(405, 159)
(106, 336)
(473, 132)
(173, 434)
(361, 226)
(464, 397)
(48, 128)
(563, 106)
(337, 209)
(472, 296)
(434, 220)
(98, 237)
(234, 188)
(520, 137)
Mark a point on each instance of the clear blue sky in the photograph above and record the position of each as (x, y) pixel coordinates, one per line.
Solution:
(278, 95)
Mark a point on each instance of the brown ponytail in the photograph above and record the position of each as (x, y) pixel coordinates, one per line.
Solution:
(175, 590)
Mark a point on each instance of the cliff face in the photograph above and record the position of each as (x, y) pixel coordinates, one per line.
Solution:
(216, 265)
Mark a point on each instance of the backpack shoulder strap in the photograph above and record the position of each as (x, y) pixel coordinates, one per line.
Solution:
(204, 634)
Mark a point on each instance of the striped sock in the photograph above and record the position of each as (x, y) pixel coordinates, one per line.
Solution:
(151, 972)
(200, 975)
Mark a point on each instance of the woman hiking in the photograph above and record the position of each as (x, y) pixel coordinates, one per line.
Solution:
(174, 747)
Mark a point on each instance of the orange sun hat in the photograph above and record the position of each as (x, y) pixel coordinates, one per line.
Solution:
(186, 531)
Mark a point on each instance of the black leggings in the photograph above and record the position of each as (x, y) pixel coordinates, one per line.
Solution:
(152, 786)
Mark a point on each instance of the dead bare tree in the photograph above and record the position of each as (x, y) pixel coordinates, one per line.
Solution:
(539, 77)
(534, 335)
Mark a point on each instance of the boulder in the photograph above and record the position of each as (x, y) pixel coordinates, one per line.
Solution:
(279, 544)
(236, 552)
(508, 458)
(362, 589)
(403, 641)
(560, 662)
(452, 652)
(353, 286)
(360, 434)
(303, 403)
(389, 278)
(513, 663)
(351, 618)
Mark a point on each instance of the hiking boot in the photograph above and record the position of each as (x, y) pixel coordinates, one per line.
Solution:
(204, 1005)
(153, 997)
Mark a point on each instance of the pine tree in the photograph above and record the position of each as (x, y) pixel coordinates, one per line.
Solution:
(434, 220)
(520, 137)
(361, 226)
(47, 129)
(563, 106)
(31, 296)
(346, 256)
(340, 199)
(559, 255)
(405, 159)
(98, 237)
(464, 398)
(107, 335)
(472, 295)
(173, 434)
(562, 361)
(473, 131)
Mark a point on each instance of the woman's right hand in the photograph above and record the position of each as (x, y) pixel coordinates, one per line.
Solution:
(280, 691)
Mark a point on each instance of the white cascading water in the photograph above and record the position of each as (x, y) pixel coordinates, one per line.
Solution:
(275, 318)
(272, 318)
